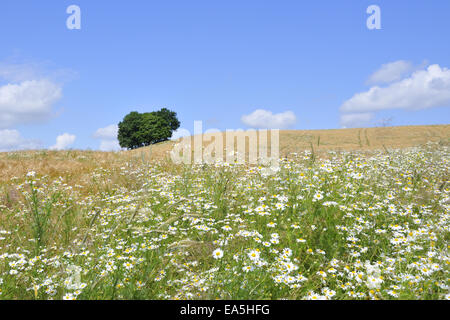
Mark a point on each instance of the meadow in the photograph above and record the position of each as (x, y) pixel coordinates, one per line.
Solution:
(367, 220)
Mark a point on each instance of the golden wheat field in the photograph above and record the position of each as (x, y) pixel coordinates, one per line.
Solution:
(350, 214)
(77, 163)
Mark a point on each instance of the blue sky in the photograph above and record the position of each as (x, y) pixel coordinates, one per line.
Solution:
(300, 63)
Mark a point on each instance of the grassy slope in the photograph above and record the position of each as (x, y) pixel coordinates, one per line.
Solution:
(321, 219)
(79, 164)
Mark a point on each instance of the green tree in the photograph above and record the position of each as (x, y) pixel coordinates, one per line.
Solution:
(154, 128)
(142, 129)
(129, 131)
(170, 117)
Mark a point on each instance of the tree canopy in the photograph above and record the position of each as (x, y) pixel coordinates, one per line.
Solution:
(142, 129)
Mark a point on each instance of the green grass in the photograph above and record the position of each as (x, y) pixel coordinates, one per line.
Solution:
(351, 226)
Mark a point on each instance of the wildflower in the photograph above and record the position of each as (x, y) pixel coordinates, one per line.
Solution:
(328, 293)
(254, 255)
(393, 293)
(128, 265)
(318, 196)
(31, 174)
(314, 296)
(287, 252)
(373, 282)
(322, 274)
(69, 296)
(247, 268)
(217, 254)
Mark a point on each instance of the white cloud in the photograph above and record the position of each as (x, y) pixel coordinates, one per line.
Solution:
(180, 133)
(13, 71)
(63, 141)
(355, 120)
(424, 89)
(28, 91)
(27, 102)
(12, 140)
(390, 72)
(18, 72)
(109, 145)
(264, 119)
(108, 138)
(107, 133)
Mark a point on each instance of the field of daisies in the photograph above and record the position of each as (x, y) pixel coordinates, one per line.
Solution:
(343, 226)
